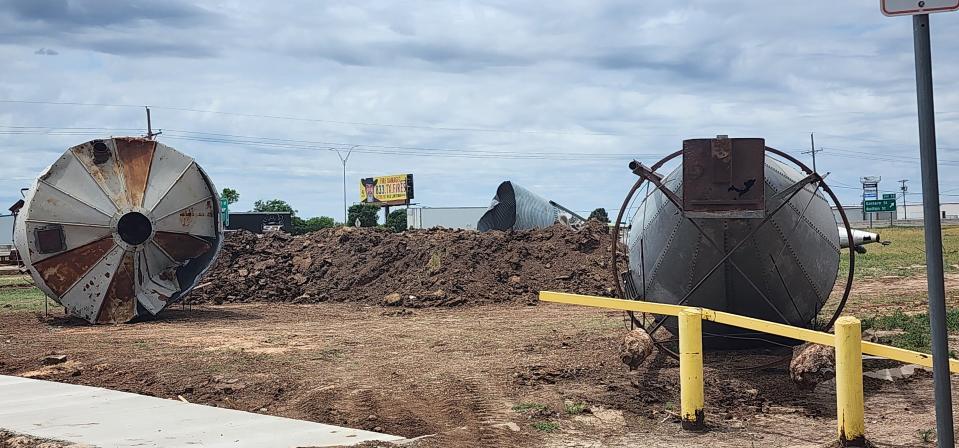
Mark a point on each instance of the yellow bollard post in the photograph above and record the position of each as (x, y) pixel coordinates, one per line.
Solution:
(691, 369)
(849, 398)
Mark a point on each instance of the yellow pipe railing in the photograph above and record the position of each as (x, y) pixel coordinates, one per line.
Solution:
(847, 341)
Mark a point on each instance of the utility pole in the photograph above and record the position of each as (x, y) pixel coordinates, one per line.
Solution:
(904, 189)
(344, 160)
(813, 151)
(150, 133)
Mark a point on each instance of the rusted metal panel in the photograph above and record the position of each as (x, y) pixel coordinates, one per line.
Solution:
(135, 156)
(60, 272)
(70, 176)
(197, 219)
(56, 206)
(100, 159)
(83, 299)
(181, 246)
(76, 236)
(168, 167)
(120, 302)
(723, 178)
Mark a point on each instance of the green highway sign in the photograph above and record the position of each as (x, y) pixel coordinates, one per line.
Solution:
(880, 205)
(224, 212)
(889, 196)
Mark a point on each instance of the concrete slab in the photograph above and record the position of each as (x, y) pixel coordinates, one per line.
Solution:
(109, 418)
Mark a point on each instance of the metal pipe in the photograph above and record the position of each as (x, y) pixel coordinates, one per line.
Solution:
(933, 231)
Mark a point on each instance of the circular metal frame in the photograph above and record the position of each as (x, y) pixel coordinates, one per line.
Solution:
(614, 250)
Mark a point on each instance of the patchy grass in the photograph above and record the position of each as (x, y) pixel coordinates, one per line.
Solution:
(545, 426)
(915, 326)
(906, 256)
(27, 298)
(15, 280)
(524, 407)
(573, 408)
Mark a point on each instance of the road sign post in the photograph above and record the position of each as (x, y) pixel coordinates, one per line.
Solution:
(225, 212)
(920, 10)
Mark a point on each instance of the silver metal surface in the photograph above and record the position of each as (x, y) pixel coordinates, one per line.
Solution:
(139, 223)
(516, 208)
(793, 259)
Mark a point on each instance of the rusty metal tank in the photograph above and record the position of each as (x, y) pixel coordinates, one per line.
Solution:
(117, 229)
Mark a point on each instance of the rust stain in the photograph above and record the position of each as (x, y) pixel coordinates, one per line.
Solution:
(188, 214)
(106, 175)
(61, 271)
(181, 246)
(119, 303)
(136, 156)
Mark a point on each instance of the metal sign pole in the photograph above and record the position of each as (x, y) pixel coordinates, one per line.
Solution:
(933, 231)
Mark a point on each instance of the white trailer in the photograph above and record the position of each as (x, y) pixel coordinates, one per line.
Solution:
(448, 217)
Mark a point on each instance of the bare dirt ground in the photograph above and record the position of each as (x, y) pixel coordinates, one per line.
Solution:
(492, 375)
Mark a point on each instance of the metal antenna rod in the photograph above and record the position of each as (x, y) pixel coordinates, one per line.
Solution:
(150, 133)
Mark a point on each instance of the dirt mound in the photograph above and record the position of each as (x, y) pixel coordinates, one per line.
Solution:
(416, 268)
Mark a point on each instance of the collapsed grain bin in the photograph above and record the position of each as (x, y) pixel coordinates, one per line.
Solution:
(119, 228)
(735, 228)
(516, 208)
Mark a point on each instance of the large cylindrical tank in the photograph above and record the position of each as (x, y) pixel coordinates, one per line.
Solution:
(119, 228)
(793, 259)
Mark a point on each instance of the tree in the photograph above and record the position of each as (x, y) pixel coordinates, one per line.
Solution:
(396, 220)
(231, 195)
(273, 205)
(301, 226)
(600, 215)
(368, 215)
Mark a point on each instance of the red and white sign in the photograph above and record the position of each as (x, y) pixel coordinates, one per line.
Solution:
(913, 7)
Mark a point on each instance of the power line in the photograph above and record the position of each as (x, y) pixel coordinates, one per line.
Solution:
(318, 120)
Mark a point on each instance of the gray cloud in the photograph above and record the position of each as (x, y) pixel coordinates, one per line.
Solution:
(46, 52)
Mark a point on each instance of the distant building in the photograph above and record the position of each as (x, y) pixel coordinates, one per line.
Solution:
(259, 222)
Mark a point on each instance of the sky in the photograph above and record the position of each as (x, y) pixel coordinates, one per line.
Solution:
(556, 96)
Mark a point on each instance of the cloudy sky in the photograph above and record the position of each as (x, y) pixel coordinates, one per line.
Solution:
(557, 96)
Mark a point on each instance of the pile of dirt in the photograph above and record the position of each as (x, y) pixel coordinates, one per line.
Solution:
(416, 268)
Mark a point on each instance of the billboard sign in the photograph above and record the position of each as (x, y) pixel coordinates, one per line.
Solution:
(880, 205)
(395, 189)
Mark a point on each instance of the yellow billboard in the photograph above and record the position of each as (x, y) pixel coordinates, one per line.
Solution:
(395, 189)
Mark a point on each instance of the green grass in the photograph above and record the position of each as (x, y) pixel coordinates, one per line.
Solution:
(915, 326)
(23, 299)
(905, 257)
(15, 280)
(546, 426)
(523, 407)
(573, 408)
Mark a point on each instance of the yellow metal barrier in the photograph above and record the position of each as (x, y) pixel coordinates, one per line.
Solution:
(749, 323)
(849, 397)
(691, 400)
(847, 341)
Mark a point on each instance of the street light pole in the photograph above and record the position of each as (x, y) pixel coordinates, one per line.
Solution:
(344, 160)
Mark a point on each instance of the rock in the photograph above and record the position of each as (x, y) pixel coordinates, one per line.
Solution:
(394, 299)
(54, 359)
(302, 263)
(243, 272)
(515, 280)
(636, 347)
(812, 364)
